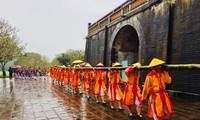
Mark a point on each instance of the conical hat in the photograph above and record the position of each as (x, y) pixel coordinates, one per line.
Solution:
(156, 62)
(76, 65)
(117, 64)
(136, 64)
(100, 65)
(63, 66)
(77, 62)
(88, 65)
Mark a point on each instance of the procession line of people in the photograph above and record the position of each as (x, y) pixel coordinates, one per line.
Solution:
(30, 73)
(95, 81)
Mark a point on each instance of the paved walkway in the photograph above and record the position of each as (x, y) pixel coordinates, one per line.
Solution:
(41, 100)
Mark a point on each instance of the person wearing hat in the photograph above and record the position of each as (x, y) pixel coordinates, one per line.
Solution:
(114, 91)
(58, 75)
(70, 77)
(87, 74)
(62, 75)
(159, 104)
(100, 84)
(52, 73)
(132, 95)
(76, 79)
(67, 77)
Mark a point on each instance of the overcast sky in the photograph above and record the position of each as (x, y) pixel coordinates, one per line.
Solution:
(50, 27)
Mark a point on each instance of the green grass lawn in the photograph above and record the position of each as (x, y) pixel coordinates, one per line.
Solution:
(1, 74)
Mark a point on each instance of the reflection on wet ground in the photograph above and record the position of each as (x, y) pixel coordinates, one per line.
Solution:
(41, 100)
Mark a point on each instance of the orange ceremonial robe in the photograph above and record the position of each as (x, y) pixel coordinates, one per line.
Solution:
(76, 78)
(114, 85)
(99, 81)
(87, 79)
(132, 89)
(155, 85)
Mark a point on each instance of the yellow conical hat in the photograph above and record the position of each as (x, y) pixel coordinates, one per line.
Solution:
(138, 64)
(117, 64)
(156, 62)
(63, 66)
(76, 65)
(77, 62)
(88, 65)
(100, 65)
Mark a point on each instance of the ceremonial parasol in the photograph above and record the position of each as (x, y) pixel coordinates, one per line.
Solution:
(83, 64)
(17, 66)
(77, 62)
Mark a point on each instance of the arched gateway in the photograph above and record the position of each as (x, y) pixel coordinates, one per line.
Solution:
(125, 45)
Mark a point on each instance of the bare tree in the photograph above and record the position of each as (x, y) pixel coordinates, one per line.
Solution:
(10, 47)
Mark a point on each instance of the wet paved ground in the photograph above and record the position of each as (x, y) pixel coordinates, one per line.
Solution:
(41, 100)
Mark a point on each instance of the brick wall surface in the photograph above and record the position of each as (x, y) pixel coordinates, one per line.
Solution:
(185, 44)
(171, 33)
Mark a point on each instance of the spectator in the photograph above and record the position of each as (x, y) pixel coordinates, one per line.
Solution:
(4, 74)
(10, 70)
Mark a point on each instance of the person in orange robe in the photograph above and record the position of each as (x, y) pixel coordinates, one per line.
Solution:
(132, 95)
(53, 74)
(66, 81)
(159, 104)
(100, 84)
(58, 75)
(87, 74)
(76, 82)
(70, 78)
(62, 75)
(67, 77)
(52, 71)
(114, 91)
